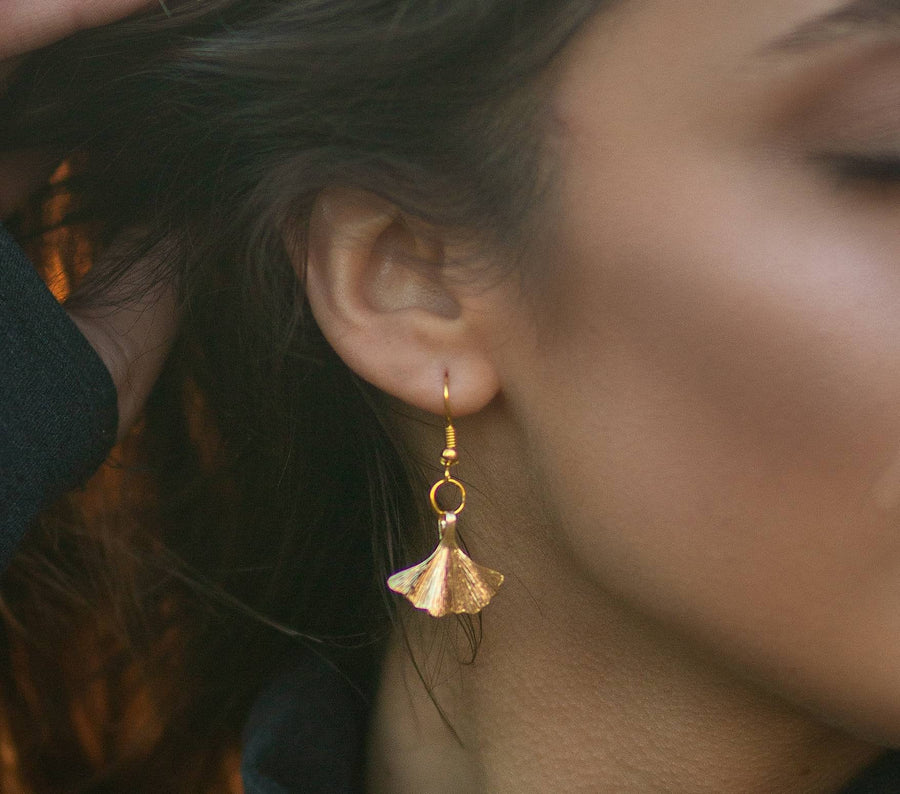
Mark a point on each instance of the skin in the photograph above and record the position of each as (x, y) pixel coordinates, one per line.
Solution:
(680, 439)
(30, 24)
(681, 435)
(131, 329)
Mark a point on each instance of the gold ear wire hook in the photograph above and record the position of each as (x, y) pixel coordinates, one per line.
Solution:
(450, 455)
(447, 413)
(449, 458)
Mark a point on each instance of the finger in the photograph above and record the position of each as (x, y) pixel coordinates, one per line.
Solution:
(26, 25)
(131, 330)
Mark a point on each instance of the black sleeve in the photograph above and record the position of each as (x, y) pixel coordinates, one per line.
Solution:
(58, 414)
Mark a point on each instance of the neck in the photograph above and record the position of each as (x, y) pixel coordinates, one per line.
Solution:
(572, 690)
(577, 694)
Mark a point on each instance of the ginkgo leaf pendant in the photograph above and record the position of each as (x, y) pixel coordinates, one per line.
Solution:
(448, 581)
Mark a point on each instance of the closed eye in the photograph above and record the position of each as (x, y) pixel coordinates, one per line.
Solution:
(875, 168)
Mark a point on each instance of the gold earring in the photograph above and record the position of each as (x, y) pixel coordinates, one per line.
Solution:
(448, 581)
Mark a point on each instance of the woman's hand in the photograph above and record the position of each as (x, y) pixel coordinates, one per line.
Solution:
(131, 329)
(132, 334)
(27, 25)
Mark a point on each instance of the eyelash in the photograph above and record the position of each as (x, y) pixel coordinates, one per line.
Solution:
(866, 168)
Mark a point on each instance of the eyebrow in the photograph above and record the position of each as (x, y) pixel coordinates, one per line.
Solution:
(851, 20)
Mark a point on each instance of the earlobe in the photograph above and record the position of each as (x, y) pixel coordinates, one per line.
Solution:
(378, 286)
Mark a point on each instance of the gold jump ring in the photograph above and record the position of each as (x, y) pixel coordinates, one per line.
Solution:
(437, 487)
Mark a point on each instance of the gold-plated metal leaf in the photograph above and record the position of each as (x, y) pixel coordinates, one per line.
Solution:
(448, 581)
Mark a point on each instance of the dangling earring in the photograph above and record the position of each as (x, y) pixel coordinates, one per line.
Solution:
(447, 582)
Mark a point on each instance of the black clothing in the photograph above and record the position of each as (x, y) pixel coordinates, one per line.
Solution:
(58, 414)
(306, 733)
(882, 777)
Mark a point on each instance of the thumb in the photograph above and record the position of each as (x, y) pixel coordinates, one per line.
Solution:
(131, 328)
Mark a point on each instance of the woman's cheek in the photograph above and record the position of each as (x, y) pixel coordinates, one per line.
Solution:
(715, 415)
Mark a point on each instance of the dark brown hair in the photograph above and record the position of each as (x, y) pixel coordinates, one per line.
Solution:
(261, 490)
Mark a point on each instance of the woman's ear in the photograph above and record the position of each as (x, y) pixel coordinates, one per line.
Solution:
(392, 307)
